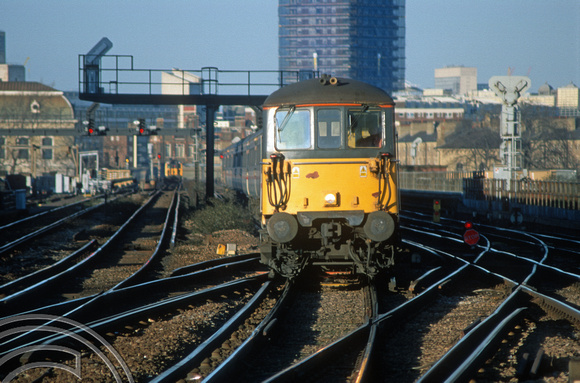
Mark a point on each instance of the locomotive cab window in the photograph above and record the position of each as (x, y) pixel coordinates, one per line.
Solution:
(365, 128)
(293, 129)
(329, 130)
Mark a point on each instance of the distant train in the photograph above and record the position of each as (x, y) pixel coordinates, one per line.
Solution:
(325, 171)
(173, 168)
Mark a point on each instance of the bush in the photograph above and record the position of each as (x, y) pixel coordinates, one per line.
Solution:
(224, 214)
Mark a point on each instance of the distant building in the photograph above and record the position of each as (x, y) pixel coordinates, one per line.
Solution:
(546, 96)
(345, 38)
(9, 72)
(437, 92)
(568, 97)
(182, 82)
(419, 149)
(116, 149)
(12, 72)
(545, 90)
(3, 72)
(34, 106)
(2, 47)
(459, 79)
(187, 147)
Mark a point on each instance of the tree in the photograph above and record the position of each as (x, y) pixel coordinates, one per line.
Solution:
(547, 143)
(477, 146)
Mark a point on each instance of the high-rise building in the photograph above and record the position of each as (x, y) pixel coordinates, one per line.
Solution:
(568, 97)
(9, 72)
(359, 39)
(2, 47)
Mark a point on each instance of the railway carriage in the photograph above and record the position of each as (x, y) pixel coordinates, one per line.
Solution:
(324, 167)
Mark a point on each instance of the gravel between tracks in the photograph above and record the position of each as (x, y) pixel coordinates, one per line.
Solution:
(150, 348)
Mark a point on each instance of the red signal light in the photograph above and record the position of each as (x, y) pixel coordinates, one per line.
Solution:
(91, 131)
(468, 225)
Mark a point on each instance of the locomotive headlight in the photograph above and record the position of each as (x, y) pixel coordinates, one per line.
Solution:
(379, 226)
(331, 199)
(282, 227)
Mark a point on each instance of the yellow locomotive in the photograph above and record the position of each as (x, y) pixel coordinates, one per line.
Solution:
(325, 169)
(173, 168)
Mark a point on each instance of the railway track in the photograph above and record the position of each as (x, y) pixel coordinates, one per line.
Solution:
(506, 309)
(149, 323)
(310, 332)
(22, 227)
(539, 293)
(106, 266)
(54, 238)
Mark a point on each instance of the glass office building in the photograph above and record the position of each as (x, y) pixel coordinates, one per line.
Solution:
(359, 39)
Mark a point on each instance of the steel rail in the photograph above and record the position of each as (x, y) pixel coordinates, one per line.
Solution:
(35, 333)
(175, 219)
(15, 302)
(20, 221)
(195, 358)
(554, 304)
(472, 350)
(89, 309)
(140, 274)
(357, 338)
(461, 361)
(46, 273)
(72, 307)
(227, 370)
(362, 338)
(535, 264)
(213, 262)
(11, 245)
(114, 321)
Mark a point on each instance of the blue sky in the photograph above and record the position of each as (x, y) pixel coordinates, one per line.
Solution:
(539, 38)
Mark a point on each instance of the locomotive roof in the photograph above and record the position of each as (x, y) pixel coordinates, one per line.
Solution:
(320, 90)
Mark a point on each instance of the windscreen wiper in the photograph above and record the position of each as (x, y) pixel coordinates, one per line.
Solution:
(356, 117)
(287, 118)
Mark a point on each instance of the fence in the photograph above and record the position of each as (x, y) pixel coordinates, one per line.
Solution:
(557, 194)
(433, 181)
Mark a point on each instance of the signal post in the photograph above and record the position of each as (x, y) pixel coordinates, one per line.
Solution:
(436, 210)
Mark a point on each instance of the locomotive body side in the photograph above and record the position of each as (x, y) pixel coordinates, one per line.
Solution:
(242, 165)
